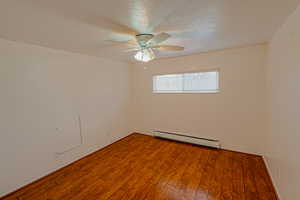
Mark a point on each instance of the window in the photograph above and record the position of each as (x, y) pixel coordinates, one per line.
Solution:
(198, 82)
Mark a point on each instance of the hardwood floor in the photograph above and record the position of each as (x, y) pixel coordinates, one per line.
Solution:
(142, 167)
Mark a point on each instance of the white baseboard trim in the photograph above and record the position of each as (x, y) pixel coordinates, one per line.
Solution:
(225, 147)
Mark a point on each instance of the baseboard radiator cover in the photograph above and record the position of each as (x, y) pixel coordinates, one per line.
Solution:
(182, 137)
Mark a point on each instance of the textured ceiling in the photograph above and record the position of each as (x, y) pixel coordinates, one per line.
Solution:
(87, 26)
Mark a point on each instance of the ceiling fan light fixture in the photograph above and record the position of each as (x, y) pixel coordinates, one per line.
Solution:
(145, 55)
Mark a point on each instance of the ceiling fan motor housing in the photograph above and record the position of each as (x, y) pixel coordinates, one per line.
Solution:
(143, 39)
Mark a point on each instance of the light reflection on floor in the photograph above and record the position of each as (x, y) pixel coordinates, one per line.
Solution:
(174, 191)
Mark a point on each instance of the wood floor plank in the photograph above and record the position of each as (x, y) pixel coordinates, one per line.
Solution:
(141, 167)
(216, 182)
(227, 177)
(238, 188)
(249, 181)
(209, 166)
(264, 186)
(192, 175)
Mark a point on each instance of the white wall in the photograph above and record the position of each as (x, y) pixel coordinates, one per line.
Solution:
(236, 115)
(42, 93)
(284, 111)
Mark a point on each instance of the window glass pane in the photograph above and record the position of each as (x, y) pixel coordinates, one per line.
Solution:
(205, 82)
(171, 82)
(201, 81)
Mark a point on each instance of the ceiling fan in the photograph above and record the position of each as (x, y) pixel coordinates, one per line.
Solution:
(146, 43)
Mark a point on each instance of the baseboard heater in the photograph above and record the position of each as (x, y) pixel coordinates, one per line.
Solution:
(188, 139)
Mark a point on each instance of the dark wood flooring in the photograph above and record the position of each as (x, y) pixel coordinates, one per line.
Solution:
(142, 167)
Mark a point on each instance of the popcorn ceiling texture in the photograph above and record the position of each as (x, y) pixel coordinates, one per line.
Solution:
(85, 26)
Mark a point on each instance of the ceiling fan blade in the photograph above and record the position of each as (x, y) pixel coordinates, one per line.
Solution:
(143, 39)
(131, 42)
(131, 50)
(168, 48)
(134, 42)
(158, 39)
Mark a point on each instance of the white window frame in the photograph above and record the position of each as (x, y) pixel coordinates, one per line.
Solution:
(187, 91)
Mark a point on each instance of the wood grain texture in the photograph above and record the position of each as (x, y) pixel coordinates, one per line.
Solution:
(142, 167)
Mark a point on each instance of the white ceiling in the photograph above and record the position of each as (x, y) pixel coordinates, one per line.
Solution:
(86, 26)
